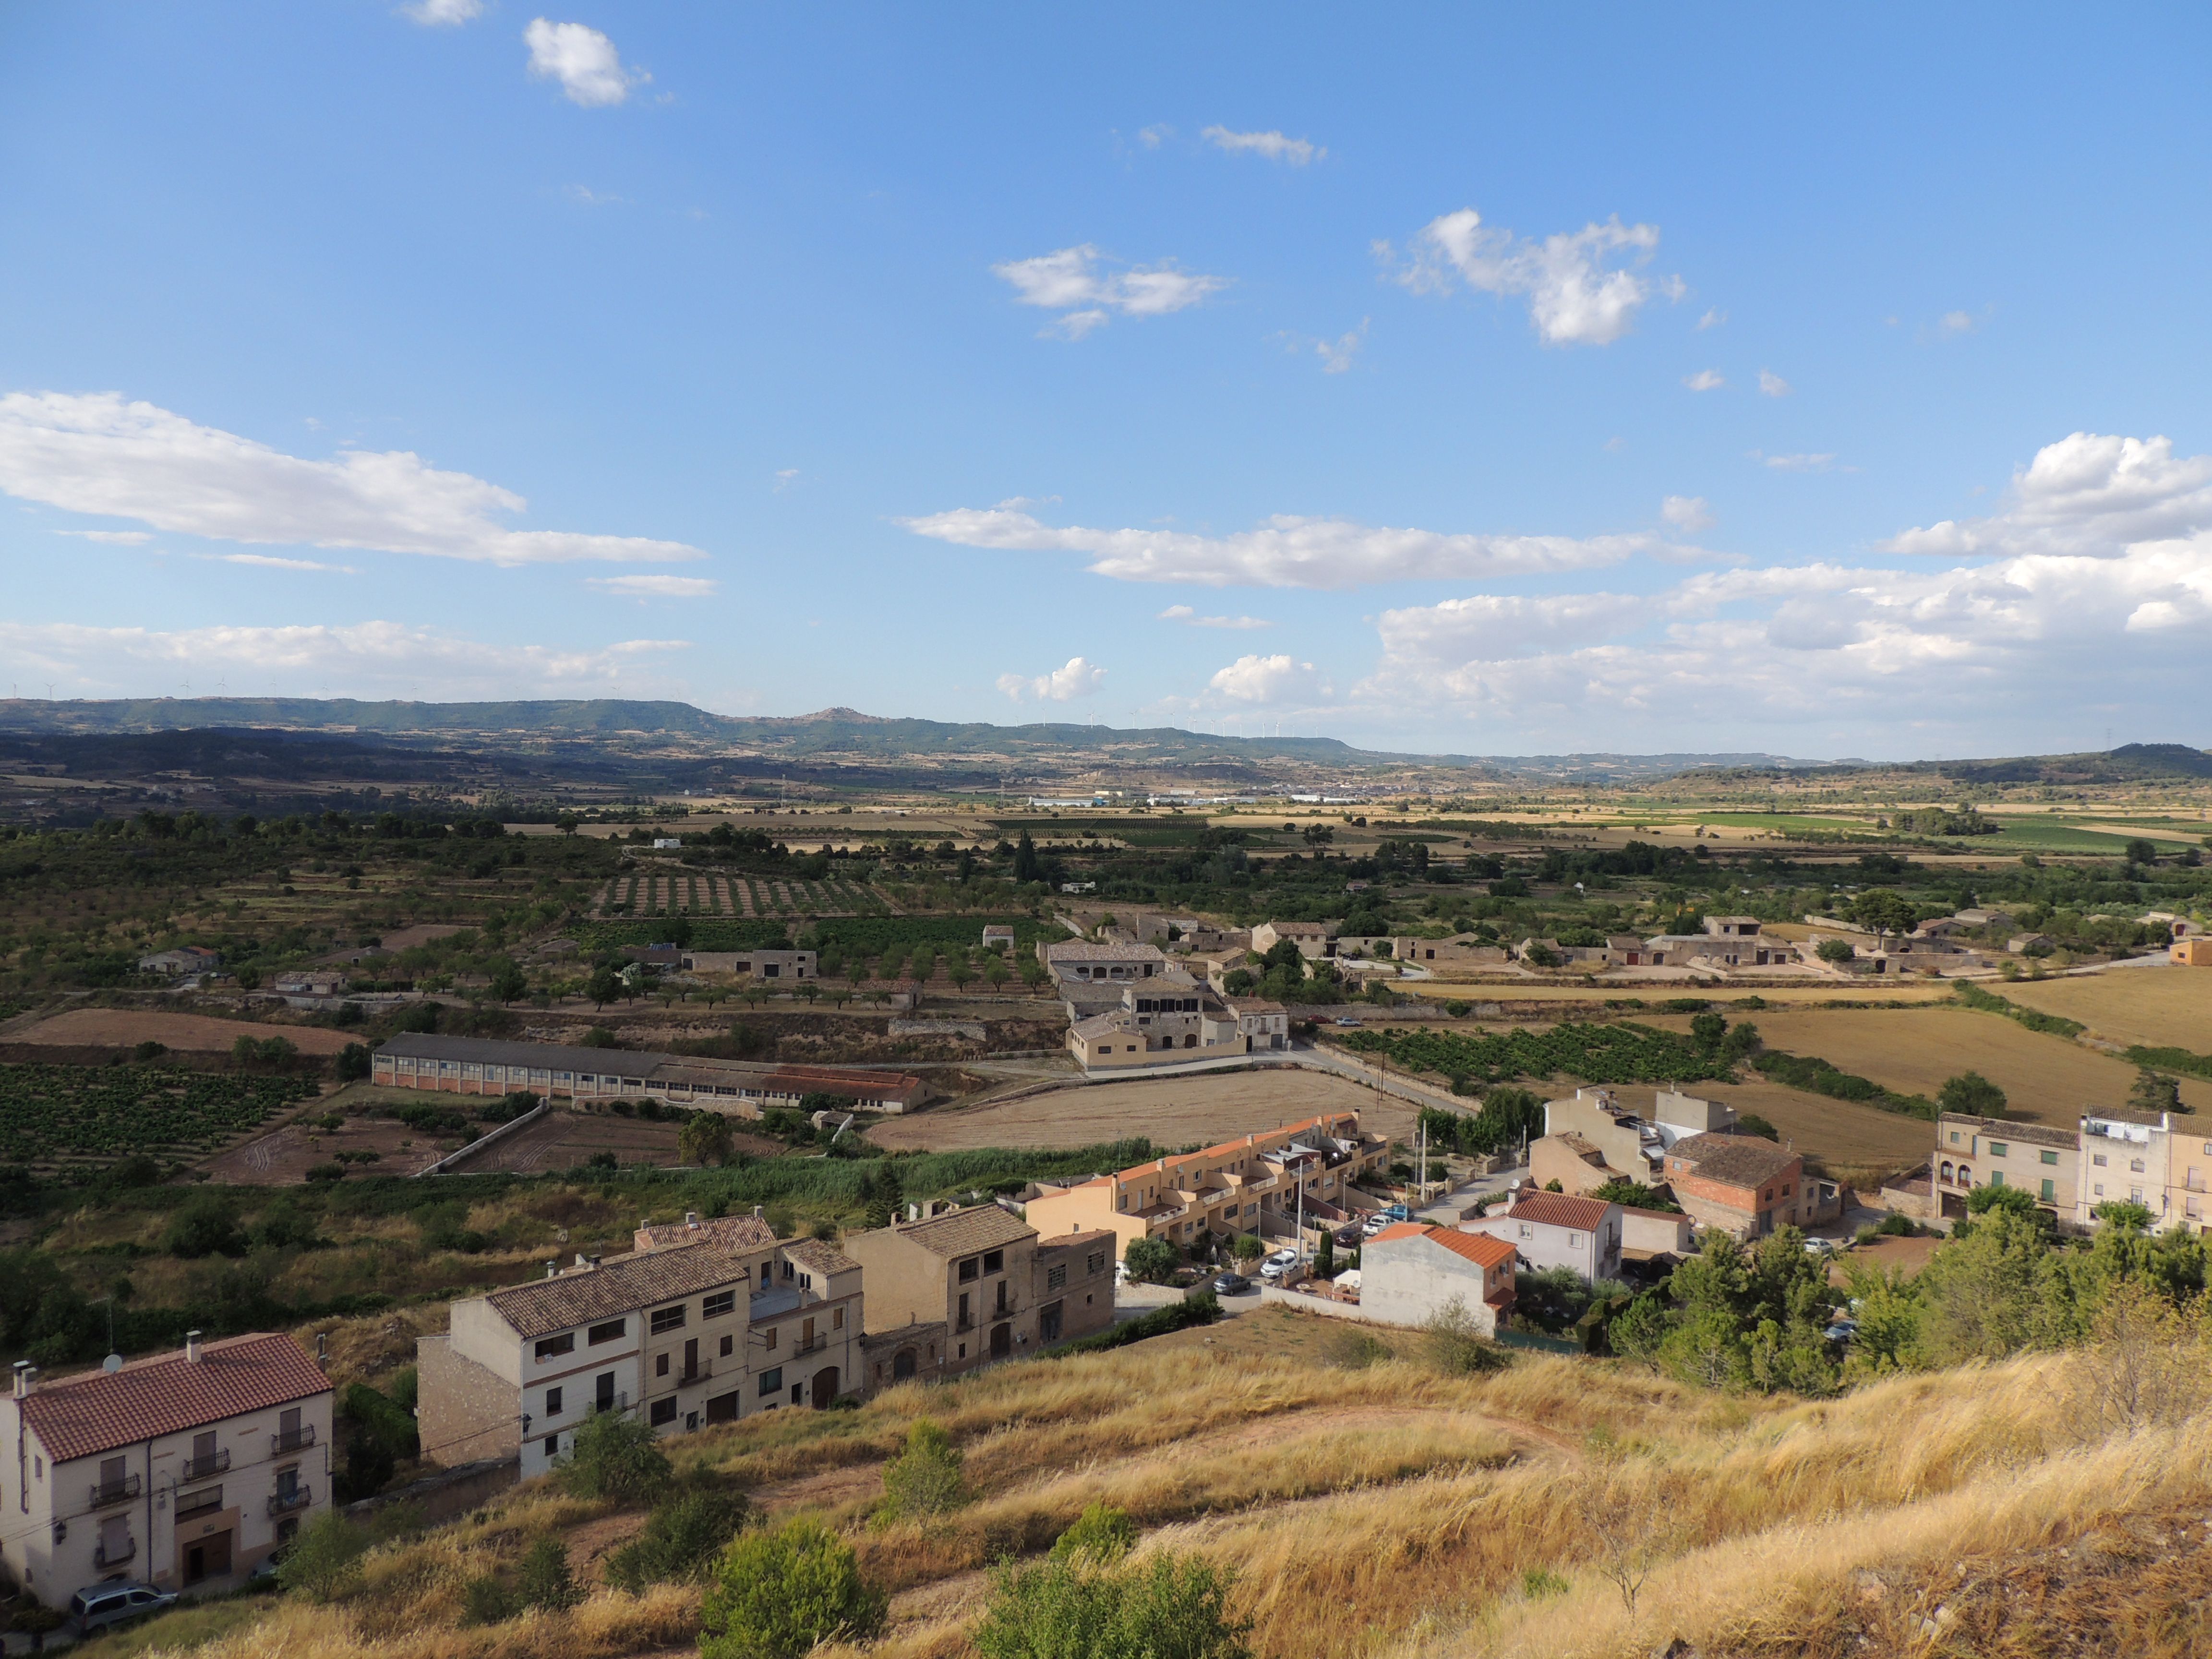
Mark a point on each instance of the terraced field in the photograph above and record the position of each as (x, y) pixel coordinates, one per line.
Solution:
(651, 893)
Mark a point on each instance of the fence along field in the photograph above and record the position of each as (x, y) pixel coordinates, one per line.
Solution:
(654, 893)
(54, 1115)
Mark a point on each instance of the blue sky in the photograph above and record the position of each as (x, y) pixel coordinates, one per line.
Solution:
(1489, 380)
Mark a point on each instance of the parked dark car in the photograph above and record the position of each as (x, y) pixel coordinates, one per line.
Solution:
(1231, 1285)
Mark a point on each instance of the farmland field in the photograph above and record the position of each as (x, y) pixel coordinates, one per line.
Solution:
(2046, 1078)
(120, 1028)
(1169, 1111)
(51, 1114)
(707, 893)
(2156, 1006)
(1626, 1053)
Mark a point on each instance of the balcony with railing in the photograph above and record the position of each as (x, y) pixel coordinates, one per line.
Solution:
(283, 1503)
(106, 1554)
(104, 1492)
(198, 1468)
(698, 1372)
(199, 1503)
(292, 1440)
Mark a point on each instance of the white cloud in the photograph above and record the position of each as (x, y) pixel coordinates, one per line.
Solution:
(96, 454)
(1184, 613)
(367, 659)
(1712, 319)
(444, 13)
(655, 586)
(1955, 322)
(1336, 355)
(1076, 280)
(1272, 145)
(1705, 380)
(1286, 551)
(585, 196)
(111, 538)
(1574, 298)
(1687, 513)
(1152, 136)
(1772, 384)
(584, 61)
(1799, 463)
(269, 562)
(1076, 677)
(1266, 679)
(786, 477)
(2087, 493)
(2100, 598)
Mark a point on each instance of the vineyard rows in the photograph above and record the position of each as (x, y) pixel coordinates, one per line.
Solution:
(740, 897)
(52, 1113)
(1625, 1052)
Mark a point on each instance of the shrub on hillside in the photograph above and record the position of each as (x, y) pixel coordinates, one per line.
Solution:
(616, 1457)
(924, 1480)
(1079, 1607)
(324, 1560)
(679, 1540)
(777, 1593)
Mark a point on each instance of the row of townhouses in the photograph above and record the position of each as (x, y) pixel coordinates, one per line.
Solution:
(2162, 1162)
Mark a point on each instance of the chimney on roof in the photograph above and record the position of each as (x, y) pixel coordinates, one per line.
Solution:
(757, 1213)
(553, 1269)
(581, 1261)
(691, 1218)
(25, 1379)
(193, 1346)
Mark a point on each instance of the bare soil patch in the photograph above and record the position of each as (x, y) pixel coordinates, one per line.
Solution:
(2160, 1007)
(423, 932)
(561, 1139)
(125, 1028)
(1168, 1111)
(284, 1156)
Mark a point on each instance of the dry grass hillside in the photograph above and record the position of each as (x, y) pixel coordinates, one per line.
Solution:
(1372, 1504)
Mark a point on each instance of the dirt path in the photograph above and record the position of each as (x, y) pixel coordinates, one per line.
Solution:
(824, 1489)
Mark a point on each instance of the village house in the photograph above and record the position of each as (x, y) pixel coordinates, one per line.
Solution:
(791, 965)
(1167, 1018)
(1726, 942)
(1250, 1185)
(1265, 1025)
(1746, 1186)
(1984, 1151)
(1315, 939)
(982, 1277)
(683, 1334)
(183, 959)
(2157, 1162)
(1593, 1136)
(1461, 951)
(1411, 1273)
(478, 1066)
(186, 1470)
(998, 936)
(1556, 1229)
(1083, 963)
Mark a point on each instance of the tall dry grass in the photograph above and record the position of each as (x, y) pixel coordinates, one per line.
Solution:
(1384, 1510)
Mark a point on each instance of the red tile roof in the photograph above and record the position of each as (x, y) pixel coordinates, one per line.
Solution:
(1478, 1248)
(1583, 1215)
(83, 1416)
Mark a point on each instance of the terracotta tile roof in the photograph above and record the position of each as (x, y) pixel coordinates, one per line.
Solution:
(979, 1227)
(733, 1233)
(1583, 1215)
(1482, 1249)
(1478, 1248)
(1744, 1161)
(1077, 1241)
(821, 1256)
(83, 1416)
(1343, 1125)
(626, 1284)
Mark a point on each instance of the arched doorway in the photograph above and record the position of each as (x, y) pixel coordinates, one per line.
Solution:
(904, 1364)
(825, 1386)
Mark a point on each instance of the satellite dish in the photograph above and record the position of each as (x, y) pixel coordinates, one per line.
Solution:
(113, 1363)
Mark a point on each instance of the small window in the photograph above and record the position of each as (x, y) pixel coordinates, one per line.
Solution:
(769, 1342)
(2050, 1157)
(664, 1411)
(2134, 1166)
(729, 1346)
(552, 1445)
(771, 1380)
(994, 1261)
(972, 1266)
(610, 1331)
(550, 1346)
(1097, 1261)
(552, 1402)
(2097, 1158)
(660, 1364)
(837, 1319)
(1999, 1149)
(1954, 1137)
(668, 1319)
(720, 1302)
(1055, 1277)
(1996, 1178)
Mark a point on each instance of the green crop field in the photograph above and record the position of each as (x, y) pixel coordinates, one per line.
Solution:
(2042, 834)
(56, 1113)
(1625, 1052)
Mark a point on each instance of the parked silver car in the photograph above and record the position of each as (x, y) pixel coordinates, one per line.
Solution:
(96, 1607)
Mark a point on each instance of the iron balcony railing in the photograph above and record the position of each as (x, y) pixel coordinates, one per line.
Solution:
(292, 1440)
(298, 1498)
(199, 1502)
(104, 1492)
(198, 1468)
